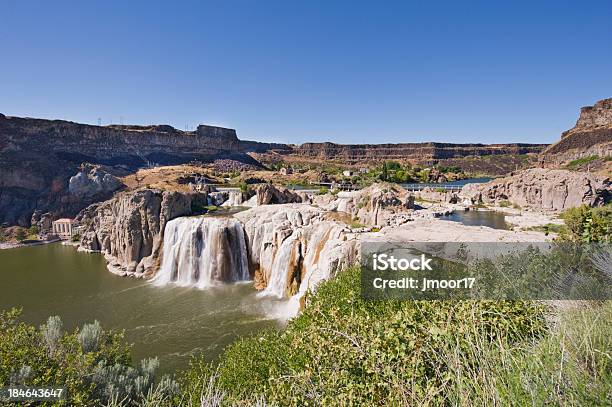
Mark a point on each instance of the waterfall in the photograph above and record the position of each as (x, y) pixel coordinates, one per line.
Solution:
(234, 199)
(203, 252)
(285, 262)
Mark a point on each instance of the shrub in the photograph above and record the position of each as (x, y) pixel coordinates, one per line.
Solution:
(94, 365)
(365, 353)
(588, 224)
(505, 204)
(581, 161)
(20, 234)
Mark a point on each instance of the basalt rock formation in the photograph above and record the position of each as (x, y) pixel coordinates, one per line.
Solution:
(543, 189)
(416, 152)
(591, 136)
(39, 157)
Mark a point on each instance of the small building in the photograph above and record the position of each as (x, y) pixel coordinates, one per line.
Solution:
(286, 171)
(364, 170)
(64, 228)
(347, 173)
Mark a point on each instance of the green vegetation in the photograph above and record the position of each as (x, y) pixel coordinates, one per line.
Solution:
(323, 191)
(505, 204)
(94, 365)
(198, 209)
(244, 187)
(572, 165)
(75, 238)
(415, 353)
(3, 237)
(588, 224)
(548, 228)
(20, 234)
(355, 224)
(33, 231)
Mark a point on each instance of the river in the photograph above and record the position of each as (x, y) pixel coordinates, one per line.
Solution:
(172, 323)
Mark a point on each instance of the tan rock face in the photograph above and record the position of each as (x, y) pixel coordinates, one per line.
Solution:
(600, 114)
(292, 247)
(269, 194)
(431, 194)
(543, 189)
(371, 206)
(592, 135)
(128, 229)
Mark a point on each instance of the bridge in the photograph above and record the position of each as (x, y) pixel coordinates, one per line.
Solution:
(420, 187)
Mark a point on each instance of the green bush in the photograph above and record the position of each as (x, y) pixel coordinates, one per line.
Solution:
(21, 234)
(365, 353)
(505, 204)
(581, 161)
(94, 365)
(588, 224)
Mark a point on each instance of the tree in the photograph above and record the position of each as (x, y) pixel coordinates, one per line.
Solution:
(384, 174)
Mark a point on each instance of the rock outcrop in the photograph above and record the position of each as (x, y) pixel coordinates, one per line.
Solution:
(373, 206)
(269, 194)
(93, 182)
(129, 228)
(437, 195)
(591, 136)
(543, 189)
(292, 247)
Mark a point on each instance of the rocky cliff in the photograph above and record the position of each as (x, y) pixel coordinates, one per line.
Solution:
(543, 189)
(591, 136)
(39, 157)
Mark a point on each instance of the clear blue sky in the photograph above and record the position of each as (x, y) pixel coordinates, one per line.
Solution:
(287, 71)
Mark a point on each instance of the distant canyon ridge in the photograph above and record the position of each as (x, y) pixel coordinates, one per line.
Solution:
(47, 165)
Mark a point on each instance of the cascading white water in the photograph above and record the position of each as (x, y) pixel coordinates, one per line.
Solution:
(234, 199)
(284, 262)
(203, 252)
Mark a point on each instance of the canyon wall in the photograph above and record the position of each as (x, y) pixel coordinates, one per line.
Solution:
(418, 152)
(38, 158)
(591, 136)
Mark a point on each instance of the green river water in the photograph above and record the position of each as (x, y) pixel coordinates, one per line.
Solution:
(172, 323)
